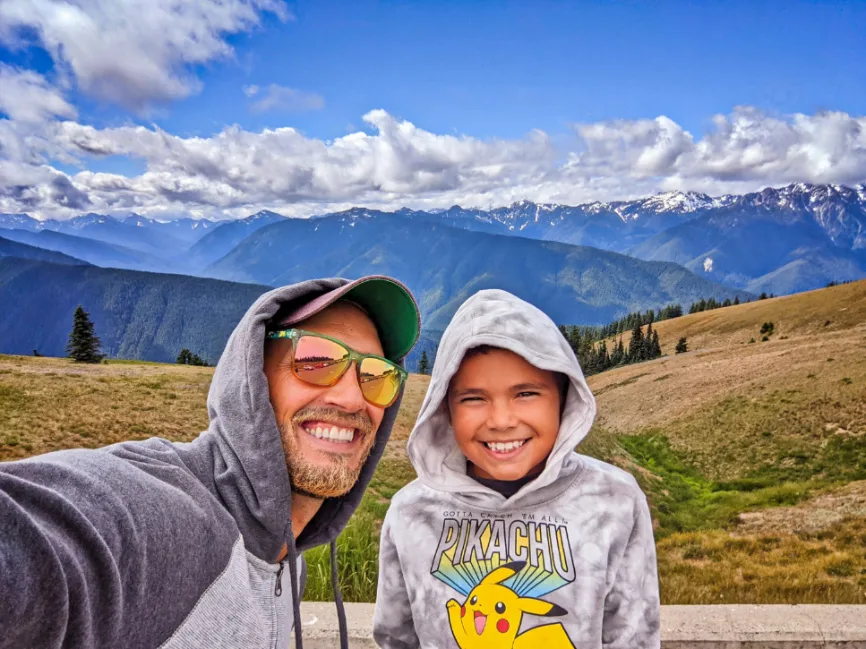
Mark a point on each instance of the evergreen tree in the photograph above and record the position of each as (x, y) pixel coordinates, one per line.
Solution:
(736, 299)
(656, 347)
(424, 363)
(603, 357)
(635, 345)
(647, 351)
(186, 357)
(83, 345)
(682, 346)
(727, 302)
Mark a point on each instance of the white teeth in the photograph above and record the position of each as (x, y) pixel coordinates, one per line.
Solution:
(505, 447)
(333, 433)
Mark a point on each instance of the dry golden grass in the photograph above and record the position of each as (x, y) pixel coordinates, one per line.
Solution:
(822, 512)
(804, 314)
(47, 404)
(733, 409)
(823, 567)
(729, 409)
(416, 388)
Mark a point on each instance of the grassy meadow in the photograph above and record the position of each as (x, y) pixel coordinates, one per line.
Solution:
(753, 455)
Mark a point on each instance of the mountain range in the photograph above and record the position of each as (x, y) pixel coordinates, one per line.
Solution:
(783, 240)
(586, 264)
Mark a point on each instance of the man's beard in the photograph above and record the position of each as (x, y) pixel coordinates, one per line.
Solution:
(336, 477)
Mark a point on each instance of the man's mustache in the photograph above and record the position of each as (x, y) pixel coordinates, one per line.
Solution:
(359, 420)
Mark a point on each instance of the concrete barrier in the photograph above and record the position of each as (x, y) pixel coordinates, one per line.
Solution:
(802, 626)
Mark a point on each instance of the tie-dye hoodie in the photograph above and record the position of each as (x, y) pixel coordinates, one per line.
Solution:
(568, 561)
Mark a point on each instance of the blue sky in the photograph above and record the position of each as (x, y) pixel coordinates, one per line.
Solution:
(499, 69)
(482, 70)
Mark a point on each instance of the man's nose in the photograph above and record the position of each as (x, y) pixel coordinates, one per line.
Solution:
(346, 394)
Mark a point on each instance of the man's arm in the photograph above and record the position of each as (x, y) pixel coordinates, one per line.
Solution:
(631, 610)
(393, 627)
(60, 577)
(100, 551)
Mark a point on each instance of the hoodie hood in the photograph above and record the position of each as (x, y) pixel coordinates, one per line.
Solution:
(249, 472)
(499, 319)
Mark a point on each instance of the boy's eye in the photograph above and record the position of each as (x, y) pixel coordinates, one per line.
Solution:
(527, 394)
(467, 399)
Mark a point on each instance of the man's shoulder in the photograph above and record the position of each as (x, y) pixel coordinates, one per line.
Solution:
(146, 481)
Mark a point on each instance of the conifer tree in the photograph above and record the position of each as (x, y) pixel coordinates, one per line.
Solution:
(635, 345)
(83, 345)
(656, 347)
(424, 363)
(648, 343)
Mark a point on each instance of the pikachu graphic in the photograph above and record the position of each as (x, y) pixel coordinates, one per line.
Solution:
(491, 615)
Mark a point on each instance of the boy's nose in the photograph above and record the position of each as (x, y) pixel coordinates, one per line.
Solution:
(501, 417)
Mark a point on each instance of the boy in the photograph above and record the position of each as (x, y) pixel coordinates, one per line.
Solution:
(508, 538)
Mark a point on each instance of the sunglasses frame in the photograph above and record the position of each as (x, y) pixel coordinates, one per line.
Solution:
(355, 358)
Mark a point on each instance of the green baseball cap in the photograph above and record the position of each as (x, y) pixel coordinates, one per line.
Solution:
(389, 304)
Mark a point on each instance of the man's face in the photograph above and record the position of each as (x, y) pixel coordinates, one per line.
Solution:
(321, 467)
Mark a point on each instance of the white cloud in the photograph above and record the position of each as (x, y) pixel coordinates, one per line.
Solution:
(133, 52)
(26, 96)
(251, 91)
(236, 172)
(280, 98)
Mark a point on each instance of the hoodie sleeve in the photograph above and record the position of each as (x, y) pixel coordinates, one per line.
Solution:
(95, 552)
(631, 610)
(393, 627)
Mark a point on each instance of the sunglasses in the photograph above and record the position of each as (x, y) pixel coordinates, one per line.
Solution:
(319, 360)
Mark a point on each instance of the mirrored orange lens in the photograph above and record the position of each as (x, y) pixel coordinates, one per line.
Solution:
(380, 381)
(320, 361)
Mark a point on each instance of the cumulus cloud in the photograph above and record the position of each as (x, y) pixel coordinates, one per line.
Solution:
(280, 98)
(236, 172)
(133, 52)
(26, 96)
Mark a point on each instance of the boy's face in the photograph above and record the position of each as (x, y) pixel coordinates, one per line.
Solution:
(505, 414)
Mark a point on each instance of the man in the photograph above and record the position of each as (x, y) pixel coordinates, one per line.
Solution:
(160, 544)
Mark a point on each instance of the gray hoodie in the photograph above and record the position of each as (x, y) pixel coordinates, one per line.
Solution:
(567, 561)
(160, 544)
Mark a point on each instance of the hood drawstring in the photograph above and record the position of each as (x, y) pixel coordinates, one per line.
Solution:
(293, 577)
(292, 559)
(338, 599)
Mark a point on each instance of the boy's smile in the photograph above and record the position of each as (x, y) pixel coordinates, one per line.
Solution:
(504, 412)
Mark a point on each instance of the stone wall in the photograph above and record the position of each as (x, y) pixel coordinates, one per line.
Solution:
(802, 626)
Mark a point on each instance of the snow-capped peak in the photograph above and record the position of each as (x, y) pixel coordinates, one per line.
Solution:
(675, 201)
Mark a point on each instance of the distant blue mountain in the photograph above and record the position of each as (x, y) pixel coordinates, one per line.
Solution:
(780, 241)
(15, 250)
(220, 240)
(777, 240)
(139, 315)
(162, 239)
(186, 230)
(444, 266)
(93, 251)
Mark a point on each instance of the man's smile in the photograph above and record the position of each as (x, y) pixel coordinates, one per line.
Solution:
(331, 436)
